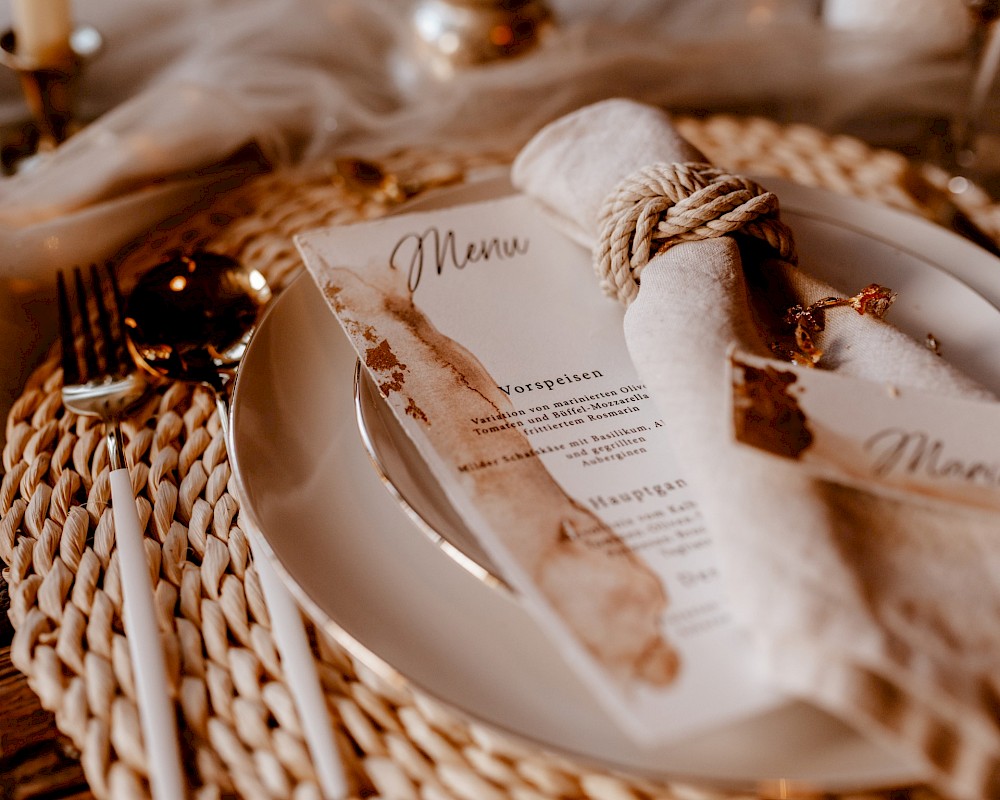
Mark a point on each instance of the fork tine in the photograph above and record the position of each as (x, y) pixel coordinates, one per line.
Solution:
(89, 353)
(67, 339)
(112, 364)
(118, 331)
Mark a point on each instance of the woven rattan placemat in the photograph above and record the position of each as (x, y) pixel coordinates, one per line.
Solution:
(241, 735)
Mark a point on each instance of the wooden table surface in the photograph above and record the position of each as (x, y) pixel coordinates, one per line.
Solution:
(36, 761)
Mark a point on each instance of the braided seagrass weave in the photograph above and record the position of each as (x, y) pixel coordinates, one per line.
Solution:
(241, 735)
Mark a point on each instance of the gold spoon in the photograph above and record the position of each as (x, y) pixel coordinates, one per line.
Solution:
(190, 319)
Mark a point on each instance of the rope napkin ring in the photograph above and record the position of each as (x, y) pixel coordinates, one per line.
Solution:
(664, 204)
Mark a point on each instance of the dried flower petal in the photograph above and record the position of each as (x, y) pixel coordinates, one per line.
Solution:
(874, 300)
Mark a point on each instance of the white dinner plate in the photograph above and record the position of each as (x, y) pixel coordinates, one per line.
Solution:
(353, 557)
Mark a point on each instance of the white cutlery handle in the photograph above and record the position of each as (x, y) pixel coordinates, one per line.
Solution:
(157, 716)
(300, 673)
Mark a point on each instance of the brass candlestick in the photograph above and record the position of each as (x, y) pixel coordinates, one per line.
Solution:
(451, 35)
(50, 94)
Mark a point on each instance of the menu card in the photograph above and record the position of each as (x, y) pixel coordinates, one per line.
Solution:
(486, 333)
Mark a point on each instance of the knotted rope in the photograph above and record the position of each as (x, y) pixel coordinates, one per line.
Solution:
(664, 204)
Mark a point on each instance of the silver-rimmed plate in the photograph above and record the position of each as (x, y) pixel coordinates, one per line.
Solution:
(398, 463)
(400, 603)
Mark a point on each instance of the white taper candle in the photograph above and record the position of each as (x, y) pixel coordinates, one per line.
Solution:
(43, 29)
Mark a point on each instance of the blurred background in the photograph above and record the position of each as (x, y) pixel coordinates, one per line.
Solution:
(375, 75)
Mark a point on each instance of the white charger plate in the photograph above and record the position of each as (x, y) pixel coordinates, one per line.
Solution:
(352, 555)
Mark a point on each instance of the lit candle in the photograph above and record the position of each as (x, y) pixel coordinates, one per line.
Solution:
(42, 28)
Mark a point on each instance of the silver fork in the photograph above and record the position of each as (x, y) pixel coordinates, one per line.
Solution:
(101, 380)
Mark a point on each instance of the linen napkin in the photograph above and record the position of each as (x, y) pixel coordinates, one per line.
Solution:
(882, 612)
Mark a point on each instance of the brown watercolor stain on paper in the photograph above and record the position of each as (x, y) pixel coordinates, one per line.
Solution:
(612, 602)
(380, 360)
(766, 413)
